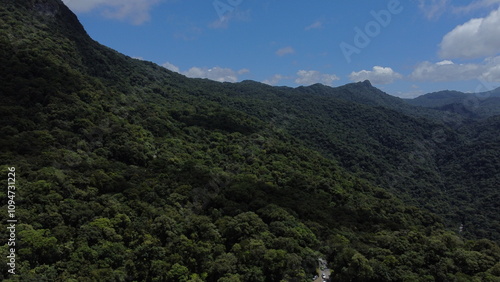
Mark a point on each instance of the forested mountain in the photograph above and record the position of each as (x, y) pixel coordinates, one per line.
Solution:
(127, 171)
(364, 93)
(470, 105)
(383, 144)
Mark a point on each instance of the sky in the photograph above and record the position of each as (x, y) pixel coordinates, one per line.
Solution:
(405, 48)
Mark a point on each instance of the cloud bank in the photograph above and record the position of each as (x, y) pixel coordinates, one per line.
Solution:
(476, 38)
(135, 10)
(488, 70)
(308, 77)
(215, 73)
(378, 75)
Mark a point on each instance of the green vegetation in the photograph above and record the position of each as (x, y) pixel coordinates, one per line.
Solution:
(475, 105)
(130, 172)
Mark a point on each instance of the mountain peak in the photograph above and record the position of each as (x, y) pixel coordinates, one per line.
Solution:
(53, 13)
(367, 83)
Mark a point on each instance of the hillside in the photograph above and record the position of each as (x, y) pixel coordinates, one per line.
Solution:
(382, 144)
(364, 93)
(129, 172)
(470, 105)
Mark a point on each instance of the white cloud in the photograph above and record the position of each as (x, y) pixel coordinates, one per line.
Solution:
(315, 25)
(476, 38)
(285, 51)
(274, 79)
(445, 71)
(243, 71)
(433, 9)
(379, 75)
(491, 72)
(481, 4)
(445, 62)
(488, 70)
(215, 73)
(171, 67)
(135, 10)
(83, 6)
(311, 77)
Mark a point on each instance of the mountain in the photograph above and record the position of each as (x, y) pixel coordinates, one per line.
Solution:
(126, 171)
(360, 92)
(389, 148)
(470, 105)
(438, 99)
(364, 93)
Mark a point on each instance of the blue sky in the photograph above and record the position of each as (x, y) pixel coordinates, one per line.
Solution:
(406, 48)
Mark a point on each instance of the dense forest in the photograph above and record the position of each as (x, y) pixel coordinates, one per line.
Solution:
(475, 105)
(126, 171)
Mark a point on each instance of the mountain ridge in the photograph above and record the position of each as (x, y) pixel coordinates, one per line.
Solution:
(475, 105)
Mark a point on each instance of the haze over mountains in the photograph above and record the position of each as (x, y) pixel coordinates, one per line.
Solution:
(474, 105)
(130, 172)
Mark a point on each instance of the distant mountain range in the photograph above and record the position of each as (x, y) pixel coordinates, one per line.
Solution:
(473, 105)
